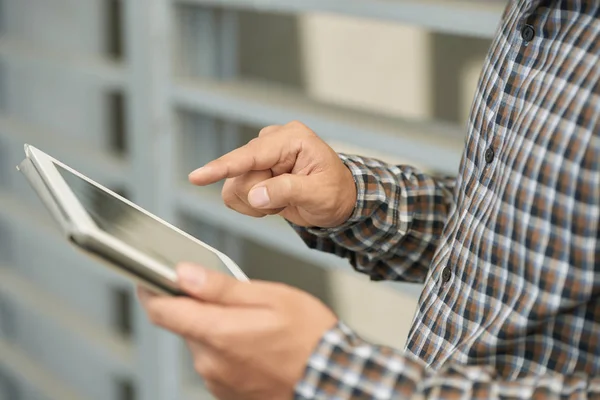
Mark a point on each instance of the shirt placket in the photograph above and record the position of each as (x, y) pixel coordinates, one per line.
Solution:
(489, 151)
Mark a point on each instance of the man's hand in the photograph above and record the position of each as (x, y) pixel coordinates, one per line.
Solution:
(287, 170)
(249, 340)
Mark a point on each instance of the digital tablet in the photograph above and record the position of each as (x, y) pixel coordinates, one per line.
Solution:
(116, 231)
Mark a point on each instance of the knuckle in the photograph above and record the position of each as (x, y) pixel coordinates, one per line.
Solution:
(294, 185)
(301, 128)
(217, 342)
(187, 329)
(286, 296)
(279, 292)
(205, 369)
(228, 193)
(240, 191)
(289, 191)
(155, 314)
(211, 374)
(253, 143)
(221, 162)
(287, 183)
(295, 124)
(218, 337)
(266, 130)
(229, 201)
(281, 289)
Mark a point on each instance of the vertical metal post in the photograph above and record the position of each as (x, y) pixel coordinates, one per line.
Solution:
(228, 45)
(148, 55)
(230, 134)
(197, 56)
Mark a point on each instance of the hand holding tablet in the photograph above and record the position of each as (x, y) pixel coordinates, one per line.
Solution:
(126, 237)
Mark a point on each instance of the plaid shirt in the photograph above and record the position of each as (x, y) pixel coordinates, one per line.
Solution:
(509, 251)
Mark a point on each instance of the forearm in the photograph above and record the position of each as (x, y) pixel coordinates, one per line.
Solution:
(344, 366)
(397, 223)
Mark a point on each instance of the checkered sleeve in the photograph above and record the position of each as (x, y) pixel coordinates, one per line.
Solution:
(396, 224)
(344, 366)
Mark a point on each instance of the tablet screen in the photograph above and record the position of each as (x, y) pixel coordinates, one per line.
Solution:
(138, 230)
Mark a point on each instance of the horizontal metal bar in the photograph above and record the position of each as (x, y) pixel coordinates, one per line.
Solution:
(37, 379)
(17, 214)
(436, 145)
(102, 166)
(468, 18)
(90, 287)
(270, 231)
(104, 71)
(107, 348)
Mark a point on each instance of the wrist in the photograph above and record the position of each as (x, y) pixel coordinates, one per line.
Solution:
(354, 206)
(348, 205)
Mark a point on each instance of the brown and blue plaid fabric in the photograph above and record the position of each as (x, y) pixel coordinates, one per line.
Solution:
(509, 251)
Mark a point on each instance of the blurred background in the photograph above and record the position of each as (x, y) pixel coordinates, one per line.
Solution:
(137, 93)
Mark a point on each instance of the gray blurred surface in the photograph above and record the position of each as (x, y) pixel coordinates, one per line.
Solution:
(136, 93)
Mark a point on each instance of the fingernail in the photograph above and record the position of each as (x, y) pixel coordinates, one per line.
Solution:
(259, 197)
(190, 276)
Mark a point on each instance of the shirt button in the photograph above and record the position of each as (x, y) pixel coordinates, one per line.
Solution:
(527, 33)
(446, 275)
(489, 155)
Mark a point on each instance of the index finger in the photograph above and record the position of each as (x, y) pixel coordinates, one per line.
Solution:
(216, 288)
(259, 154)
(193, 319)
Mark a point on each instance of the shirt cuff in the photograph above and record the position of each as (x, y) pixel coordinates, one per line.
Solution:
(362, 208)
(344, 366)
(322, 366)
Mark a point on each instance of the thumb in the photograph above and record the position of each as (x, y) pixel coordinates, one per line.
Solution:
(214, 287)
(283, 191)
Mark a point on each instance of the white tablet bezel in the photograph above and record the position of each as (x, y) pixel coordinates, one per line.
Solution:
(83, 232)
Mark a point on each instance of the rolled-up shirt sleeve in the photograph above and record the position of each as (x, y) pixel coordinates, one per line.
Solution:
(344, 366)
(397, 222)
